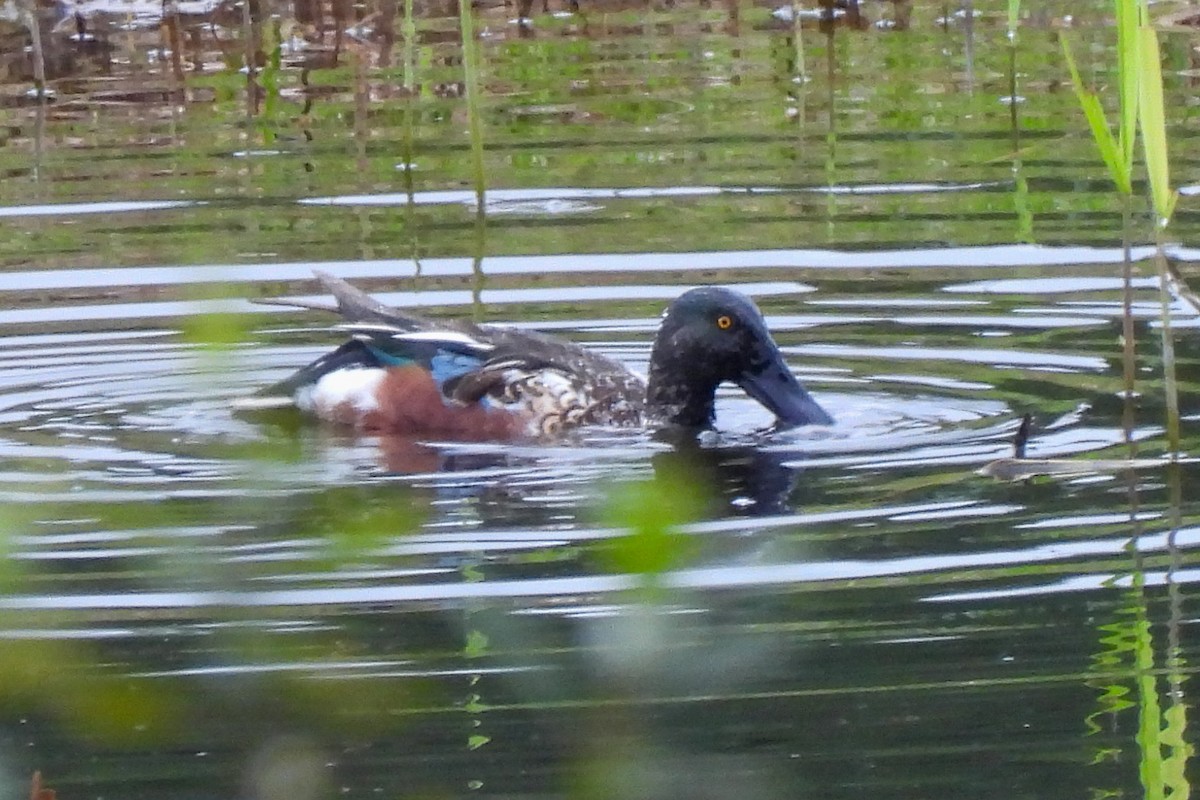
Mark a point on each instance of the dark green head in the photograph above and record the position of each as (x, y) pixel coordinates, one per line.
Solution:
(712, 335)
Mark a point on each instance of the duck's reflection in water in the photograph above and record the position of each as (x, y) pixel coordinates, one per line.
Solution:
(740, 479)
(743, 479)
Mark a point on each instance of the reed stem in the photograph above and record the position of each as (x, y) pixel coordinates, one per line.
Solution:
(1170, 386)
(1128, 336)
(798, 43)
(471, 82)
(35, 50)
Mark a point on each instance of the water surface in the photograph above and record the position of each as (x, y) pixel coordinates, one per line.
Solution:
(200, 604)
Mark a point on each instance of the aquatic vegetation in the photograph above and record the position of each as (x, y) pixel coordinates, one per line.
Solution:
(1140, 115)
(1163, 749)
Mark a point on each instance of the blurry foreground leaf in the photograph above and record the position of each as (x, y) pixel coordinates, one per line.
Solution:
(216, 330)
(70, 682)
(652, 511)
(12, 520)
(347, 706)
(355, 522)
(260, 452)
(217, 325)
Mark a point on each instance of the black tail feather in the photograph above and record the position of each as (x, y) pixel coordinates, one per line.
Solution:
(352, 354)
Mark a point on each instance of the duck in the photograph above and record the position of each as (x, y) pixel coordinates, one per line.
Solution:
(402, 373)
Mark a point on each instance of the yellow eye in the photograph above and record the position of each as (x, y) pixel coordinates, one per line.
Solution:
(724, 322)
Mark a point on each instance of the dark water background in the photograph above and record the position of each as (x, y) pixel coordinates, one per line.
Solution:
(194, 604)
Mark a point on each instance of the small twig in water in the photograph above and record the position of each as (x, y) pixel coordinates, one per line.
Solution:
(1022, 437)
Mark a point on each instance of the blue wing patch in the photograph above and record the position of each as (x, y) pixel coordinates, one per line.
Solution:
(443, 364)
(446, 365)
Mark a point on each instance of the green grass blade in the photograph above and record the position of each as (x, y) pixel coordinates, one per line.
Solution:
(1128, 60)
(1153, 125)
(1110, 150)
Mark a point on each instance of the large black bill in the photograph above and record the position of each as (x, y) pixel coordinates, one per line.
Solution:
(776, 387)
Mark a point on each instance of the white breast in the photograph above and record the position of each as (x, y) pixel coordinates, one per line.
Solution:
(354, 388)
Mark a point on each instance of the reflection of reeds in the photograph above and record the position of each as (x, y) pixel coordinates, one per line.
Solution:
(410, 112)
(1020, 184)
(475, 125)
(471, 81)
(410, 48)
(1164, 752)
(174, 42)
(798, 40)
(250, 63)
(36, 53)
(1128, 655)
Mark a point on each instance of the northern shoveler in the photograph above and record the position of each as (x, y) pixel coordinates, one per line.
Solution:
(402, 373)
